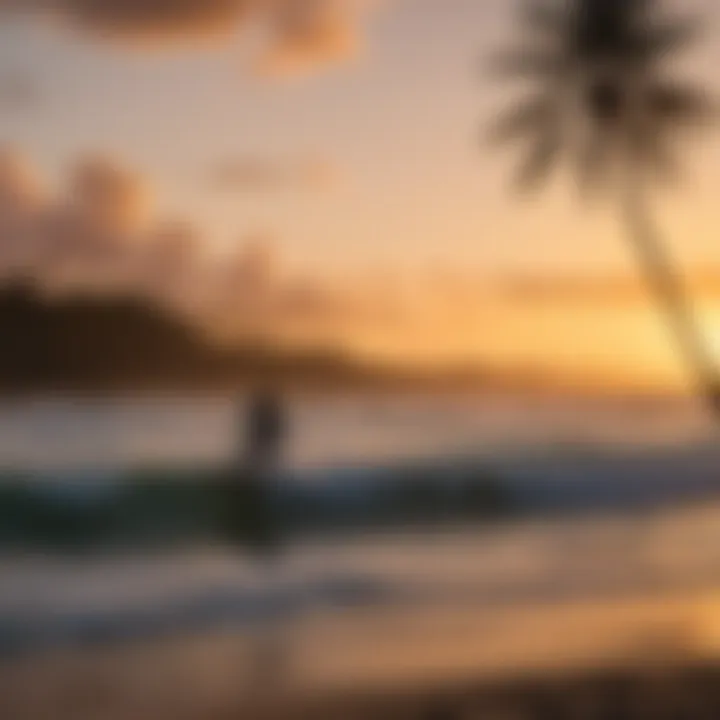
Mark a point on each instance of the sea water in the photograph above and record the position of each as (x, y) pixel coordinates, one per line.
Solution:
(553, 445)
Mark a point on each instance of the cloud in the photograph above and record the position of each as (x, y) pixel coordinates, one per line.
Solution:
(100, 234)
(22, 204)
(90, 234)
(154, 19)
(551, 289)
(21, 188)
(310, 33)
(297, 34)
(254, 293)
(607, 290)
(108, 197)
(263, 174)
(18, 92)
(87, 235)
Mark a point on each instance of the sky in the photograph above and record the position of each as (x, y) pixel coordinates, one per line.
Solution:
(322, 161)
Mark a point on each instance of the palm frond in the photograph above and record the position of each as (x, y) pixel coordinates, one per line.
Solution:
(540, 161)
(670, 36)
(529, 62)
(548, 17)
(527, 118)
(587, 62)
(603, 29)
(676, 105)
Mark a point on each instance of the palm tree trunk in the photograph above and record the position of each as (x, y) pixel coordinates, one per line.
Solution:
(666, 285)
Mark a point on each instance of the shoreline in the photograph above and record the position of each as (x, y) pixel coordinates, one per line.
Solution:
(371, 664)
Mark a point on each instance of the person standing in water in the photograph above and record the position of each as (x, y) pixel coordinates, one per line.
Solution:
(255, 524)
(266, 427)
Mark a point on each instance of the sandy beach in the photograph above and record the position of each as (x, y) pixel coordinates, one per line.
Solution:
(393, 620)
(363, 660)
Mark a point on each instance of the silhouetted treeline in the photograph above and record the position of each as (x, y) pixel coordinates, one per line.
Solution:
(116, 344)
(108, 344)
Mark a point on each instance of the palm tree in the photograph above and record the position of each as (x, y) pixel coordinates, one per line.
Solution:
(602, 98)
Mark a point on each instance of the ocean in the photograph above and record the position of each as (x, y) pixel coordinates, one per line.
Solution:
(653, 468)
(66, 435)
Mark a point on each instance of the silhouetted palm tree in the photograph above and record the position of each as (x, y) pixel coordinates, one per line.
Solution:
(603, 100)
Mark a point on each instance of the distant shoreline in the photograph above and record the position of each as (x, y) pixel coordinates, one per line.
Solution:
(125, 346)
(318, 389)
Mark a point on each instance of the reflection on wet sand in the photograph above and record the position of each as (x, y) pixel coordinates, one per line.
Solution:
(393, 663)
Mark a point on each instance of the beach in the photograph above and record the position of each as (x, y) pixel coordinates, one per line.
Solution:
(363, 625)
(371, 662)
(612, 567)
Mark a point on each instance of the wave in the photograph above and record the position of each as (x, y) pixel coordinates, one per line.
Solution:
(170, 506)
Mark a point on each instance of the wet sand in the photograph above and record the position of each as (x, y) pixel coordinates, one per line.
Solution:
(397, 664)
(579, 607)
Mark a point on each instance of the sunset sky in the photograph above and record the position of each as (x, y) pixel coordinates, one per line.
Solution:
(327, 156)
